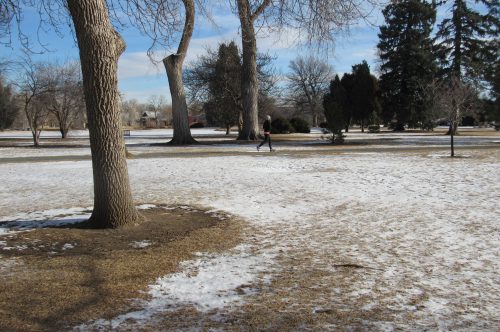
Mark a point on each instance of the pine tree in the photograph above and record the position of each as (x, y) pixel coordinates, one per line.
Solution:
(225, 88)
(8, 110)
(466, 47)
(364, 94)
(334, 105)
(408, 64)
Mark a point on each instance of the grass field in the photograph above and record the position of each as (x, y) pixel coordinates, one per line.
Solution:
(383, 233)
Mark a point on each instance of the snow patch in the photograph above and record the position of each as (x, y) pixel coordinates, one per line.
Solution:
(206, 283)
(141, 244)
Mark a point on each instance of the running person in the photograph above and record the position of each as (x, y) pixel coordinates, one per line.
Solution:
(267, 134)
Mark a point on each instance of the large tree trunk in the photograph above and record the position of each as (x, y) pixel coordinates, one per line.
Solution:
(100, 47)
(173, 66)
(249, 80)
(180, 117)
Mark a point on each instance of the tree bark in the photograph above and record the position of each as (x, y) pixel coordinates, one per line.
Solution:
(180, 118)
(100, 47)
(173, 66)
(452, 145)
(249, 80)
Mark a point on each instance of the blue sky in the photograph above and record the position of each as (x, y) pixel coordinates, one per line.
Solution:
(139, 78)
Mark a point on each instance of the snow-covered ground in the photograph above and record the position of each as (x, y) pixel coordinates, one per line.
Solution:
(423, 229)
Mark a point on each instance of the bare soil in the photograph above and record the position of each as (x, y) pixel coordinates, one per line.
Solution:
(58, 278)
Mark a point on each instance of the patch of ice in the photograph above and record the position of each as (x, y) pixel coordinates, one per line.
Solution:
(42, 219)
(67, 246)
(146, 206)
(19, 248)
(141, 244)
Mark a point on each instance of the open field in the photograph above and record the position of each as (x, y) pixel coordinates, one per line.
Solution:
(384, 233)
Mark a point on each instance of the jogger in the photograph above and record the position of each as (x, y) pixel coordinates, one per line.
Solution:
(267, 134)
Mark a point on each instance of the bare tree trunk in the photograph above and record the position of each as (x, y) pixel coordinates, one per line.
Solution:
(64, 133)
(180, 118)
(100, 47)
(36, 137)
(249, 80)
(240, 122)
(452, 145)
(173, 66)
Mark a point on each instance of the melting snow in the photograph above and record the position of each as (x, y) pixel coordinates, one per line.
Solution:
(425, 227)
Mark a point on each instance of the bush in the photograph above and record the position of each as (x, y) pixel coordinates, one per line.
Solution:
(374, 128)
(197, 125)
(281, 126)
(428, 125)
(300, 125)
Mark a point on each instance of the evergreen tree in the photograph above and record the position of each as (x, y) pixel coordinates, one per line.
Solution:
(334, 103)
(347, 83)
(8, 110)
(364, 94)
(224, 88)
(408, 64)
(465, 45)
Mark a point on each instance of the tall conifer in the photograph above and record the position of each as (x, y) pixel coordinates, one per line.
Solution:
(408, 65)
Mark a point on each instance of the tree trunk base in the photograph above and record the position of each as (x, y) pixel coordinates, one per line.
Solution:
(183, 141)
(96, 222)
(251, 137)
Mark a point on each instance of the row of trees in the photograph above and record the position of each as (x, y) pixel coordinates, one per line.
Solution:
(464, 48)
(42, 91)
(100, 46)
(354, 98)
(421, 74)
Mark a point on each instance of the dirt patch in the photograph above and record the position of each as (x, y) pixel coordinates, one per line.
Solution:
(60, 277)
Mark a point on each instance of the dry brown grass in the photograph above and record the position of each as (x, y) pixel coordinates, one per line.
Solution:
(51, 288)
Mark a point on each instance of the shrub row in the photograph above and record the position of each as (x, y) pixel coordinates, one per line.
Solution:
(281, 125)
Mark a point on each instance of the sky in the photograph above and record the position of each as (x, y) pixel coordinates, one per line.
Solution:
(139, 78)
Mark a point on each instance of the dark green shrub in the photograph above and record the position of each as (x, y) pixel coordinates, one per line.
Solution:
(281, 126)
(300, 125)
(428, 125)
(374, 128)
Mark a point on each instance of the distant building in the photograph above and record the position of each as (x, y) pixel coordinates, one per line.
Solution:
(151, 119)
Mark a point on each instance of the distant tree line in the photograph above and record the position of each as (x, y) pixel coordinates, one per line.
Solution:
(43, 94)
(419, 71)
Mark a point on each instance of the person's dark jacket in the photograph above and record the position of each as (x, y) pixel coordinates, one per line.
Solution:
(267, 126)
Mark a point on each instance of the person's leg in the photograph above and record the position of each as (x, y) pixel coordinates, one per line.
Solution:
(270, 145)
(262, 143)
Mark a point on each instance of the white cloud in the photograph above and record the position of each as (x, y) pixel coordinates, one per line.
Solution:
(137, 64)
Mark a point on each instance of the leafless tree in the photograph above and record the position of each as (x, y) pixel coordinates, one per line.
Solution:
(452, 99)
(173, 65)
(157, 103)
(100, 45)
(163, 21)
(131, 112)
(318, 21)
(33, 87)
(65, 99)
(308, 81)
